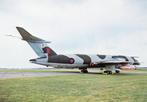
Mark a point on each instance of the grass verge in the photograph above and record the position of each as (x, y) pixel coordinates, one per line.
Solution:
(76, 88)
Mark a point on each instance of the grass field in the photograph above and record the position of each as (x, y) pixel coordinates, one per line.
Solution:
(76, 88)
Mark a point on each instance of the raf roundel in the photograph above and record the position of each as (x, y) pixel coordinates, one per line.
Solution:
(71, 60)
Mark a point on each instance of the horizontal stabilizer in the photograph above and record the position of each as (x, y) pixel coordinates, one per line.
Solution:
(28, 37)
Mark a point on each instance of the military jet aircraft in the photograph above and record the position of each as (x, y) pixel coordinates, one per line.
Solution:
(48, 57)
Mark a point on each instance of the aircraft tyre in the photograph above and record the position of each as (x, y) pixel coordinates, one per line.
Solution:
(117, 71)
(108, 72)
(84, 71)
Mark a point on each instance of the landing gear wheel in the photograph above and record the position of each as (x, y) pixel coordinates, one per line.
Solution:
(108, 72)
(117, 71)
(84, 71)
(105, 71)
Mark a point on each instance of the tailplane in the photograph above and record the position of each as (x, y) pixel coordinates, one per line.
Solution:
(38, 45)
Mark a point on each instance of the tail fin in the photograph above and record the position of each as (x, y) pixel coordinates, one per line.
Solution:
(37, 44)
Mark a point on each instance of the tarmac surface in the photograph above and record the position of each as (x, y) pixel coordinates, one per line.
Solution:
(6, 75)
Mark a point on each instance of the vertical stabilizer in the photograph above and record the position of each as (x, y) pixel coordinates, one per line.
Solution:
(37, 44)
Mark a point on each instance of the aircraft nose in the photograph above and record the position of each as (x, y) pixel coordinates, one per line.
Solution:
(136, 63)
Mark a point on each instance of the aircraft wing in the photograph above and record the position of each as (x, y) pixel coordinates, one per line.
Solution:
(111, 62)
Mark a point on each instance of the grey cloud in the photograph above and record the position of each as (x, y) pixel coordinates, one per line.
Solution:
(6, 5)
(141, 4)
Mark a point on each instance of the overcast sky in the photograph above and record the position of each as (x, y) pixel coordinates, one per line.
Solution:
(74, 26)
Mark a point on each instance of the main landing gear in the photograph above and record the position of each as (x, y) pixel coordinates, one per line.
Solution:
(83, 70)
(108, 72)
(117, 71)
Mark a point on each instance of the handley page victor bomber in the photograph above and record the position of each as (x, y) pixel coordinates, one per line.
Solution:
(48, 57)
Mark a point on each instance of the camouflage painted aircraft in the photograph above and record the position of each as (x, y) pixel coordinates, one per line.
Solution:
(48, 57)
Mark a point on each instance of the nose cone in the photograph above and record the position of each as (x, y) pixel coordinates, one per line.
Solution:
(136, 63)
